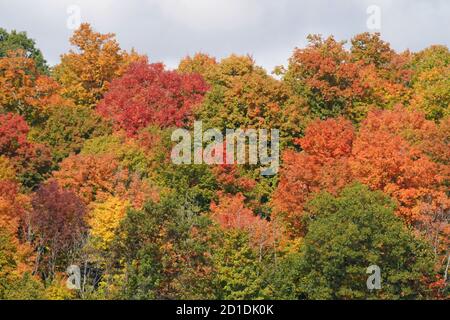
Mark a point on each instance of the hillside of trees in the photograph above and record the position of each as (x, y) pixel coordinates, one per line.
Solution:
(86, 177)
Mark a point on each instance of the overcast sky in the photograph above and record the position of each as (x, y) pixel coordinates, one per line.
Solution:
(167, 30)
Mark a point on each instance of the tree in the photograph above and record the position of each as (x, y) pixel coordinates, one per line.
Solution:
(370, 49)
(351, 232)
(24, 90)
(13, 206)
(386, 161)
(201, 64)
(430, 80)
(104, 220)
(13, 212)
(431, 93)
(58, 227)
(13, 41)
(8, 260)
(322, 165)
(91, 178)
(231, 214)
(85, 74)
(7, 171)
(149, 95)
(239, 273)
(243, 95)
(67, 128)
(31, 160)
(197, 183)
(389, 153)
(166, 251)
(336, 82)
(127, 151)
(436, 56)
(95, 178)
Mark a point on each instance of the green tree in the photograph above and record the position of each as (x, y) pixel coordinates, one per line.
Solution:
(165, 252)
(238, 271)
(67, 128)
(127, 151)
(346, 235)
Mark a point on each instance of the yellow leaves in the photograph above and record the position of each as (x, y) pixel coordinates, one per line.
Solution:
(200, 63)
(7, 171)
(104, 220)
(58, 290)
(432, 94)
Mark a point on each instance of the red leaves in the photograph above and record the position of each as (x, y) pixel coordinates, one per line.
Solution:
(58, 224)
(57, 214)
(147, 94)
(349, 83)
(13, 134)
(30, 159)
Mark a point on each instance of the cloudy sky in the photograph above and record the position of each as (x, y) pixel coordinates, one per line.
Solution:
(167, 30)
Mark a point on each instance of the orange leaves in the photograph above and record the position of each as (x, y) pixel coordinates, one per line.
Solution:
(302, 176)
(388, 154)
(389, 163)
(13, 211)
(86, 75)
(91, 177)
(322, 165)
(328, 139)
(13, 205)
(24, 90)
(96, 178)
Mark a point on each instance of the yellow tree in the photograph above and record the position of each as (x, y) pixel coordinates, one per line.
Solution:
(105, 219)
(432, 94)
(86, 74)
(430, 81)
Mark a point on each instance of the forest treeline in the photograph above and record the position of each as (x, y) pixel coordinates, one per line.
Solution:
(86, 177)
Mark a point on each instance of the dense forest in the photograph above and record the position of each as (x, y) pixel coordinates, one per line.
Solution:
(86, 177)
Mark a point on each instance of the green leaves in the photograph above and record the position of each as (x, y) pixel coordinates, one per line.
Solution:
(351, 232)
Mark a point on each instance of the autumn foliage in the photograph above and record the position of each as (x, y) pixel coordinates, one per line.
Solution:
(149, 95)
(378, 155)
(86, 176)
